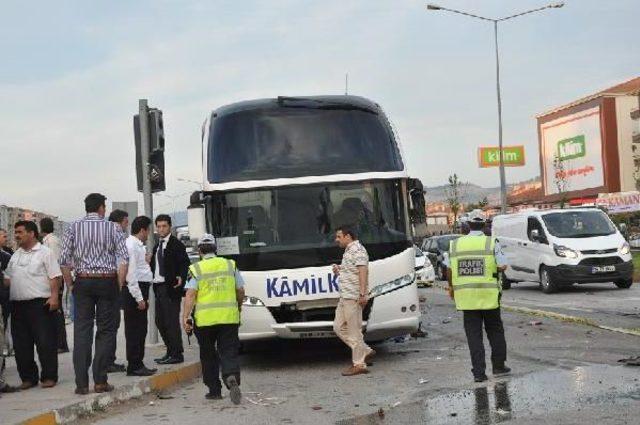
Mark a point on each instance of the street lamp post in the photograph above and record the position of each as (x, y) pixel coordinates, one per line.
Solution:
(180, 179)
(173, 200)
(503, 179)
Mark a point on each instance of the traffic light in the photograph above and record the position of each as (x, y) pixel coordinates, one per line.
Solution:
(156, 150)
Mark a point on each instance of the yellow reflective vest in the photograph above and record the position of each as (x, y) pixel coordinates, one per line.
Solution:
(216, 302)
(473, 273)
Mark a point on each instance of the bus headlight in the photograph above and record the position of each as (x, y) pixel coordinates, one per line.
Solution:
(625, 249)
(252, 302)
(393, 285)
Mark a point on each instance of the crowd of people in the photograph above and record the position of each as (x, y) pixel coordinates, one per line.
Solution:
(106, 270)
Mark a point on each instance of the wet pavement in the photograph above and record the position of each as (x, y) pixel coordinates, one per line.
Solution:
(557, 368)
(611, 390)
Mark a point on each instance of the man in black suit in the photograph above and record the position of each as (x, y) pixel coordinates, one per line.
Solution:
(170, 265)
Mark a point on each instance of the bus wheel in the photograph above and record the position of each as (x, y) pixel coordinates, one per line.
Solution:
(547, 285)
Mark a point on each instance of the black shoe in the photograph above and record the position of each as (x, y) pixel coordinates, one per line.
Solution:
(116, 368)
(162, 359)
(143, 371)
(213, 396)
(481, 378)
(234, 390)
(172, 360)
(497, 371)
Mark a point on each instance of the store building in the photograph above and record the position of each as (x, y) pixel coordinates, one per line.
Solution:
(591, 146)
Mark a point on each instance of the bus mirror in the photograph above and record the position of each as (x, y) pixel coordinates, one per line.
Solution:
(196, 221)
(196, 198)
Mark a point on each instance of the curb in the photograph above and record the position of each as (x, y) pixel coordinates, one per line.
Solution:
(100, 402)
(563, 317)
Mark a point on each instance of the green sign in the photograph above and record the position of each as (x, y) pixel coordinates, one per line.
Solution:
(572, 148)
(513, 156)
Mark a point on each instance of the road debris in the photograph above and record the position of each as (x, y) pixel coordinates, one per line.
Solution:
(631, 361)
(423, 381)
(381, 413)
(316, 407)
(535, 323)
(257, 399)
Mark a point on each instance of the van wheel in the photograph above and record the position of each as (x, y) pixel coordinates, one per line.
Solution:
(547, 285)
(506, 283)
(624, 284)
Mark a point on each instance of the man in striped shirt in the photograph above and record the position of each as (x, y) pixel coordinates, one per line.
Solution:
(95, 250)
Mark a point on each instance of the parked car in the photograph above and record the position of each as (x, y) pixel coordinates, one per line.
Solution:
(424, 269)
(436, 247)
(562, 247)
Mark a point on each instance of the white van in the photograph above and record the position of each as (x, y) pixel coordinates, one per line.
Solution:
(562, 247)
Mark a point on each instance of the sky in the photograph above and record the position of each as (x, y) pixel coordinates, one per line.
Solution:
(72, 73)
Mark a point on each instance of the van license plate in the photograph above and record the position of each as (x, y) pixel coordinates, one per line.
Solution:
(603, 269)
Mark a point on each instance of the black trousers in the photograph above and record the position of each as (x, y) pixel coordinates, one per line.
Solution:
(33, 324)
(135, 327)
(473, 321)
(6, 304)
(61, 331)
(168, 319)
(219, 349)
(94, 300)
(116, 317)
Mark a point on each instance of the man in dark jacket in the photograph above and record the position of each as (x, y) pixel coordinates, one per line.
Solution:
(169, 264)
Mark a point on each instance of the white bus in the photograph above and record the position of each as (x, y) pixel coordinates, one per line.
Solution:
(280, 175)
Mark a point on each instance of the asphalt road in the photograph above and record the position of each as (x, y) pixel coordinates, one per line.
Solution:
(602, 303)
(563, 374)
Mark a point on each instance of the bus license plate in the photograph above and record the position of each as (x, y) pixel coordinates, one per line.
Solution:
(318, 334)
(603, 269)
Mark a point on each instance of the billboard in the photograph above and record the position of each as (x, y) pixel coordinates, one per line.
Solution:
(490, 156)
(619, 202)
(571, 148)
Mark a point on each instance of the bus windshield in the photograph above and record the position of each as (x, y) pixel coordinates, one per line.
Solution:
(291, 227)
(285, 142)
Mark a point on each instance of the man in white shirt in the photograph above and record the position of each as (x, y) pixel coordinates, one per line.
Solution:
(34, 276)
(135, 297)
(52, 242)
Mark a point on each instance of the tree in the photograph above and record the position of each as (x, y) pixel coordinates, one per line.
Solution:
(560, 179)
(454, 195)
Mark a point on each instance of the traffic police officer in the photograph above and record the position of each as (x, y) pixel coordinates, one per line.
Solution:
(215, 289)
(475, 261)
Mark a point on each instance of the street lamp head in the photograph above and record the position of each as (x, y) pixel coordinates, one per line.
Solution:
(433, 7)
(557, 5)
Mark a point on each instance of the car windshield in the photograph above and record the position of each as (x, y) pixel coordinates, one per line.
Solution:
(443, 242)
(285, 142)
(578, 224)
(292, 227)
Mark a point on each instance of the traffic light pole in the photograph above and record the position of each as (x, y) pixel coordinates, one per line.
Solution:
(152, 334)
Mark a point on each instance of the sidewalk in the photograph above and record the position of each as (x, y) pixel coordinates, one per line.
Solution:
(61, 405)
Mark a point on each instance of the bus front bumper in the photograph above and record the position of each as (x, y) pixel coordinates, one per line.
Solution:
(393, 314)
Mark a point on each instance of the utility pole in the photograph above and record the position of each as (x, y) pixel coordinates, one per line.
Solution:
(152, 334)
(346, 83)
(496, 21)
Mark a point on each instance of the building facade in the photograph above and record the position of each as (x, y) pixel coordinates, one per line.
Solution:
(11, 215)
(588, 146)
